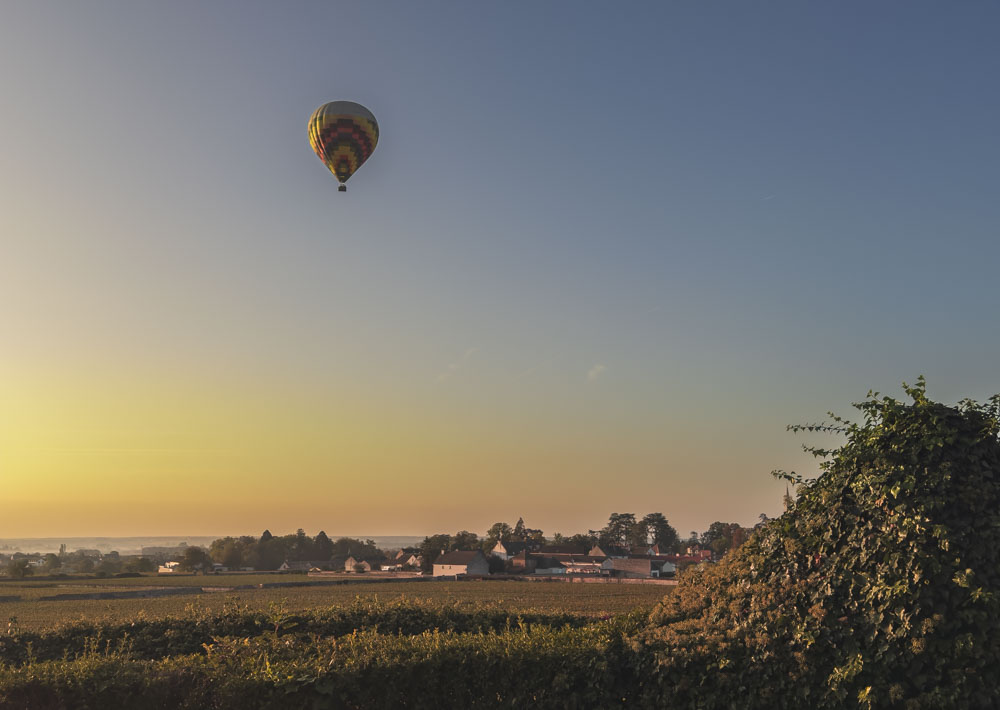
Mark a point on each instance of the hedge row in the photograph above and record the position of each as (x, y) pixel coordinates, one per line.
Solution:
(541, 667)
(160, 638)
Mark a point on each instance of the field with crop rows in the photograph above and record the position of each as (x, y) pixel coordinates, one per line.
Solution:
(32, 612)
(364, 654)
(357, 645)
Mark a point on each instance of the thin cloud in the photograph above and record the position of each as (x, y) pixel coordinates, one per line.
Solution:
(595, 372)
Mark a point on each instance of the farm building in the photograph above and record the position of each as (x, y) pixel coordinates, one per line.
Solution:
(582, 564)
(461, 562)
(549, 565)
(558, 550)
(406, 558)
(608, 551)
(506, 550)
(635, 568)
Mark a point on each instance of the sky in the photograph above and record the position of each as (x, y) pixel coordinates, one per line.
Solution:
(598, 261)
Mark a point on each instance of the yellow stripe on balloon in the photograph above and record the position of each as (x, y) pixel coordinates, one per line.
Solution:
(335, 148)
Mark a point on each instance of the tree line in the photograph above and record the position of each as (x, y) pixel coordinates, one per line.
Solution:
(623, 530)
(20, 565)
(268, 551)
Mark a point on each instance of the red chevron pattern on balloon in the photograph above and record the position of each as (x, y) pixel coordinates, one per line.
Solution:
(343, 134)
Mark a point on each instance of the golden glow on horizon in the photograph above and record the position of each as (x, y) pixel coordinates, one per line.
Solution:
(121, 455)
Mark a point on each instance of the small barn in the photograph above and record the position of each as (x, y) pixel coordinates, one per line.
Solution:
(462, 562)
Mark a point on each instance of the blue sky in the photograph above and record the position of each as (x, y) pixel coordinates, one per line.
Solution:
(598, 246)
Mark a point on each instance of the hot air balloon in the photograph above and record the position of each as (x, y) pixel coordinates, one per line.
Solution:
(343, 134)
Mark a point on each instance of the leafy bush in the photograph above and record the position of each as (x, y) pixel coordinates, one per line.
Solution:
(879, 588)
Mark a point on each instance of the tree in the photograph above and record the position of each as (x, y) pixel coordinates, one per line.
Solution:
(301, 546)
(618, 531)
(19, 569)
(498, 532)
(362, 549)
(581, 540)
(52, 562)
(322, 546)
(637, 538)
(227, 551)
(518, 534)
(108, 566)
(140, 564)
(249, 551)
(721, 537)
(535, 535)
(464, 540)
(660, 531)
(195, 559)
(430, 550)
(271, 551)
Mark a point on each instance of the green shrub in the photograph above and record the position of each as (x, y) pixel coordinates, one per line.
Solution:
(879, 588)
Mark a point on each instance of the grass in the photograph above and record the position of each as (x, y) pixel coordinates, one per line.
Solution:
(34, 614)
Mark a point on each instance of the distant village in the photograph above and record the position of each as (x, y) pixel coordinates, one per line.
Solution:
(626, 548)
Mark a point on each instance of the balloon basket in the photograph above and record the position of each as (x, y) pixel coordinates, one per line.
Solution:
(342, 188)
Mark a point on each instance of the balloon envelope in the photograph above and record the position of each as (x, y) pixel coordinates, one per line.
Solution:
(343, 134)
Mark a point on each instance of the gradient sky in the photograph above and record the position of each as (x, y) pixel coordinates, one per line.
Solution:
(600, 258)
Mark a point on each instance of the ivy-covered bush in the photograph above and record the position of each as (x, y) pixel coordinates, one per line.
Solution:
(878, 588)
